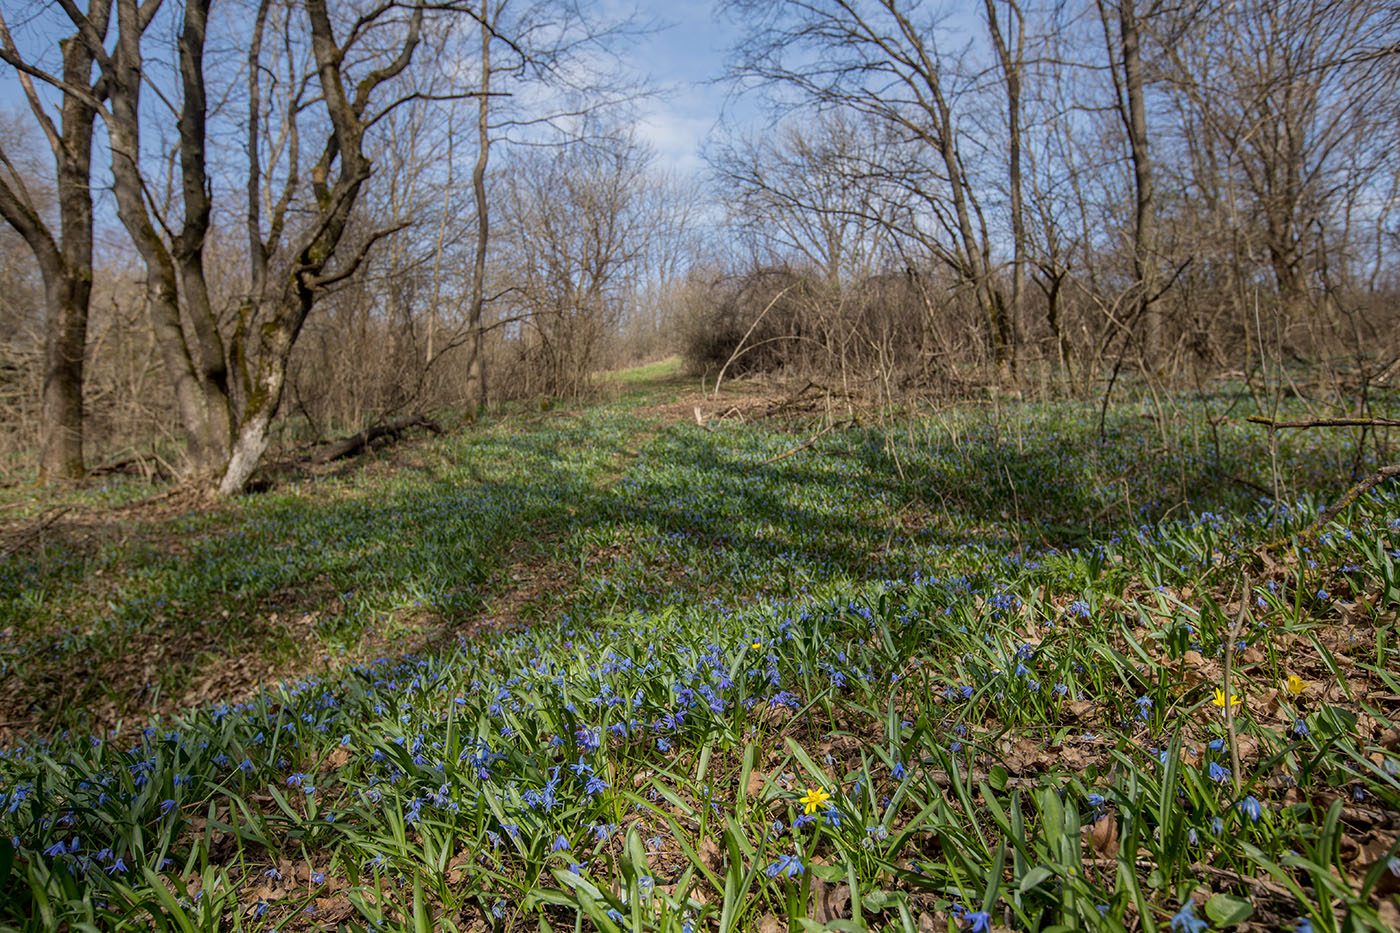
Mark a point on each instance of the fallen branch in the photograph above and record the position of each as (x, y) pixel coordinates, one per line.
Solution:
(356, 442)
(802, 446)
(41, 525)
(1351, 495)
(1327, 422)
(157, 466)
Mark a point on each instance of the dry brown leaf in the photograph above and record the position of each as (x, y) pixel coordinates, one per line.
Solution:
(1103, 836)
(829, 902)
(710, 854)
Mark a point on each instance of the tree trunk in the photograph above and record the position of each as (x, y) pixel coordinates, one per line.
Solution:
(162, 290)
(1011, 73)
(61, 418)
(1133, 112)
(476, 364)
(264, 396)
(65, 262)
(189, 246)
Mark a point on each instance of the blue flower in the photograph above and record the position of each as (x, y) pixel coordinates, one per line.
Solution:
(1251, 808)
(789, 866)
(560, 844)
(978, 921)
(1186, 920)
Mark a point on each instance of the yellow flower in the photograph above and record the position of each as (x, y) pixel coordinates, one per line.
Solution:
(816, 796)
(1220, 699)
(1295, 685)
(757, 645)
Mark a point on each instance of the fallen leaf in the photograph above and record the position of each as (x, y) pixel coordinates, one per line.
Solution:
(1103, 835)
(710, 854)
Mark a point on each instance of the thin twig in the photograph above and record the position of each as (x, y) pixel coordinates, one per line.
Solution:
(1229, 665)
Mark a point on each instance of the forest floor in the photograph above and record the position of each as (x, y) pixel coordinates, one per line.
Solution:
(687, 661)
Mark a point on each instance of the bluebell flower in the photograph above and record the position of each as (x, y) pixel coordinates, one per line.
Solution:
(1251, 808)
(1186, 920)
(789, 866)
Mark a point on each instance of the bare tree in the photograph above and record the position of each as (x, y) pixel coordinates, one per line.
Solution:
(1129, 83)
(64, 258)
(804, 193)
(882, 58)
(576, 233)
(1009, 45)
(289, 275)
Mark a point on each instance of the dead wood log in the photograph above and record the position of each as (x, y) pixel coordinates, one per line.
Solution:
(146, 466)
(1327, 422)
(349, 446)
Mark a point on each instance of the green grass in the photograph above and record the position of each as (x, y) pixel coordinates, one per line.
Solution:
(988, 638)
(667, 369)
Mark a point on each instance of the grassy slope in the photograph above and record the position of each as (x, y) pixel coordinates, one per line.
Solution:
(972, 632)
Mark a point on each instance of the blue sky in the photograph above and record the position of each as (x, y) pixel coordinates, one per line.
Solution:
(684, 57)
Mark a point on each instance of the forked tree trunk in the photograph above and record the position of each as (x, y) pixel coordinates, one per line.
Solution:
(260, 407)
(276, 314)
